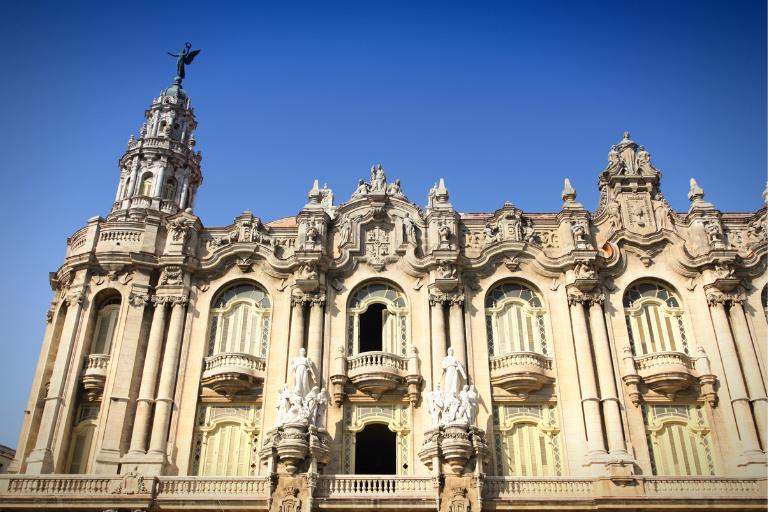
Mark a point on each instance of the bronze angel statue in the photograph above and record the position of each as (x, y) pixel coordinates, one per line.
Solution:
(184, 58)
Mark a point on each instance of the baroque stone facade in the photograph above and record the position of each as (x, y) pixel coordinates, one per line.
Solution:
(374, 353)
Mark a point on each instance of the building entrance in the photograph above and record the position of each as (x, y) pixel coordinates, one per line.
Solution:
(375, 451)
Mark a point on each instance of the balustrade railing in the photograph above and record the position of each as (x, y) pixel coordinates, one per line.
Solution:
(96, 362)
(521, 359)
(235, 359)
(704, 486)
(195, 486)
(361, 486)
(656, 359)
(385, 359)
(502, 487)
(61, 485)
(141, 202)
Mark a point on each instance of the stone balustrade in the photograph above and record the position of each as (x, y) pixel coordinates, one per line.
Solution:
(666, 372)
(521, 372)
(168, 207)
(231, 372)
(141, 202)
(214, 487)
(504, 487)
(364, 486)
(211, 493)
(95, 374)
(376, 372)
(704, 486)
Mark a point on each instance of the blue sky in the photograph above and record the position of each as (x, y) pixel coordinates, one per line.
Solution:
(502, 99)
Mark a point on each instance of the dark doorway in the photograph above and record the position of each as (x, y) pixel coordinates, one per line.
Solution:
(375, 451)
(371, 328)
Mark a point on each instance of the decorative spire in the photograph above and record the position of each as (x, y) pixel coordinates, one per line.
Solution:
(569, 193)
(696, 193)
(765, 195)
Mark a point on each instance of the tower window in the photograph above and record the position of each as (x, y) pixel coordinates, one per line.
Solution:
(146, 185)
(169, 192)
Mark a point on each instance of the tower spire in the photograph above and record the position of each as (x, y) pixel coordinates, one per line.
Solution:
(160, 170)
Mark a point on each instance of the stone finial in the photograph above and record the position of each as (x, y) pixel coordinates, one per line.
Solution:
(569, 193)
(696, 193)
(314, 193)
(765, 195)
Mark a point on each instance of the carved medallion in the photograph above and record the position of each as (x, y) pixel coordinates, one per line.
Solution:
(637, 214)
(377, 246)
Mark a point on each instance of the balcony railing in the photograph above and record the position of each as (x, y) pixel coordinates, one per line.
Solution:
(504, 487)
(704, 486)
(231, 372)
(95, 374)
(363, 486)
(214, 487)
(521, 372)
(376, 373)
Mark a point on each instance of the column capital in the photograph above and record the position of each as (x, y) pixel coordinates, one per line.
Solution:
(437, 298)
(300, 300)
(716, 297)
(316, 300)
(455, 299)
(138, 299)
(75, 297)
(576, 296)
(173, 300)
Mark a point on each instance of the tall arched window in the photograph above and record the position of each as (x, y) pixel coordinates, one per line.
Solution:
(377, 320)
(240, 320)
(526, 441)
(515, 320)
(654, 319)
(169, 191)
(226, 440)
(146, 185)
(104, 330)
(81, 441)
(679, 440)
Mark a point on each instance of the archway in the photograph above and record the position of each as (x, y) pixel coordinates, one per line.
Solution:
(375, 451)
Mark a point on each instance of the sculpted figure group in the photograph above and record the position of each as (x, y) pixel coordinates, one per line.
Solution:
(305, 402)
(454, 403)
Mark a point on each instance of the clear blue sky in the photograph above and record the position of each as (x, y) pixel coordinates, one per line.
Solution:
(502, 99)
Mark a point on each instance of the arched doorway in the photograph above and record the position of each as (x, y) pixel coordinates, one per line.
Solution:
(375, 451)
(371, 328)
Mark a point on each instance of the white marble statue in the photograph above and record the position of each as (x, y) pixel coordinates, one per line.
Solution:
(435, 404)
(453, 373)
(304, 374)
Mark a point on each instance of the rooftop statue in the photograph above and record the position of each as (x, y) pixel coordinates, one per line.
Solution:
(183, 58)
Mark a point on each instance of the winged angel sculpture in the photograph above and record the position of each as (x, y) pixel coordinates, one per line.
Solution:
(183, 58)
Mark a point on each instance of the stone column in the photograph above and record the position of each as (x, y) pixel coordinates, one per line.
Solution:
(608, 392)
(315, 334)
(168, 374)
(751, 368)
(739, 399)
(149, 378)
(296, 339)
(158, 185)
(587, 383)
(439, 346)
(456, 326)
(126, 361)
(40, 459)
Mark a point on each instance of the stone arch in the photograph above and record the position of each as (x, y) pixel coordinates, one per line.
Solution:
(515, 318)
(377, 318)
(655, 317)
(240, 319)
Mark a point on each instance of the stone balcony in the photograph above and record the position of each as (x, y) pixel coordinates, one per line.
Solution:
(233, 372)
(394, 493)
(521, 373)
(668, 373)
(376, 373)
(95, 375)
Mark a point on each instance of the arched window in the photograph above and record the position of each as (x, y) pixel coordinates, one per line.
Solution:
(146, 185)
(654, 319)
(106, 322)
(515, 320)
(679, 440)
(81, 441)
(240, 320)
(226, 440)
(169, 191)
(526, 440)
(376, 450)
(376, 439)
(377, 320)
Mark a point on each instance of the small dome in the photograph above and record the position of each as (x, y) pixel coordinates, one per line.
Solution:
(175, 91)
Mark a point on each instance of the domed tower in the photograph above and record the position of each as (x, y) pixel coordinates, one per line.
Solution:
(161, 170)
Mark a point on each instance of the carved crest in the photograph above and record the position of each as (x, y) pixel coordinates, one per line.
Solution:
(637, 214)
(377, 246)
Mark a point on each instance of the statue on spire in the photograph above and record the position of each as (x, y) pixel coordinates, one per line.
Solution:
(183, 58)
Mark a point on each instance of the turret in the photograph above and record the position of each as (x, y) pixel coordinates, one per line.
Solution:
(160, 170)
